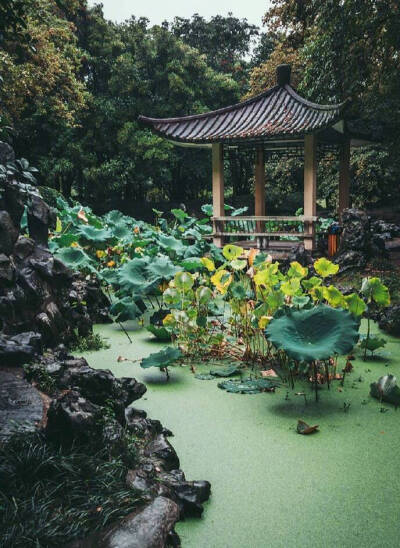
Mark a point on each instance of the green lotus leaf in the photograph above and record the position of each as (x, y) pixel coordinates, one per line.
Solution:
(183, 281)
(291, 286)
(75, 258)
(65, 240)
(161, 268)
(386, 389)
(179, 214)
(355, 305)
(171, 243)
(249, 386)
(313, 334)
(238, 291)
(375, 290)
(132, 276)
(164, 358)
(238, 264)
(334, 297)
(227, 371)
(275, 300)
(110, 276)
(114, 216)
(160, 333)
(203, 295)
(126, 309)
(171, 296)
(121, 231)
(296, 270)
(92, 234)
(372, 343)
(207, 209)
(311, 283)
(231, 251)
(325, 268)
(300, 301)
(192, 263)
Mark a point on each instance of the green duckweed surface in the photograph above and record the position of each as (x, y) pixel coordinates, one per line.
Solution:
(271, 486)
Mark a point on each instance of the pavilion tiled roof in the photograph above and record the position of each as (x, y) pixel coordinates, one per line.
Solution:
(276, 114)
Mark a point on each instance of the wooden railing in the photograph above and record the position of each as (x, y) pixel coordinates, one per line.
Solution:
(265, 229)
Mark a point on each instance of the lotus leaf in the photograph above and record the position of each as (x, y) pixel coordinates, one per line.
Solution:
(355, 305)
(227, 371)
(121, 231)
(203, 295)
(75, 258)
(161, 268)
(208, 263)
(311, 282)
(249, 386)
(133, 276)
(183, 281)
(238, 264)
(305, 429)
(179, 214)
(376, 291)
(291, 286)
(92, 234)
(171, 296)
(126, 309)
(192, 264)
(204, 377)
(231, 251)
(160, 333)
(373, 343)
(222, 279)
(296, 270)
(238, 291)
(207, 209)
(325, 268)
(171, 243)
(334, 297)
(164, 358)
(301, 300)
(313, 334)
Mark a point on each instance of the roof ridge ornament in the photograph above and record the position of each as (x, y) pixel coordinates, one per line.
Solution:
(283, 73)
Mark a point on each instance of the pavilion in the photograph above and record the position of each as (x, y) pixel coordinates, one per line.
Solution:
(274, 121)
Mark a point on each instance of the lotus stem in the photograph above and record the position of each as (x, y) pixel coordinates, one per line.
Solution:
(327, 375)
(315, 380)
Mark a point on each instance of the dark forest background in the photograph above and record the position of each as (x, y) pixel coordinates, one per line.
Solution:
(72, 85)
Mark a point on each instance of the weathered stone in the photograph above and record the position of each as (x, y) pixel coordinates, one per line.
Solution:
(161, 449)
(20, 404)
(7, 155)
(19, 349)
(40, 217)
(8, 233)
(7, 270)
(72, 417)
(300, 254)
(389, 320)
(146, 529)
(190, 495)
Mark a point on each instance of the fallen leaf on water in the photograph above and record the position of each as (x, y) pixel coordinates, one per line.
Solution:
(122, 359)
(305, 429)
(268, 373)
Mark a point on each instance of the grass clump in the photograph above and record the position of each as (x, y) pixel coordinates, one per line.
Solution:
(91, 342)
(51, 495)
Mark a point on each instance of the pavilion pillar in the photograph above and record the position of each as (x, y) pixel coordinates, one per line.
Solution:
(259, 188)
(218, 188)
(310, 189)
(344, 177)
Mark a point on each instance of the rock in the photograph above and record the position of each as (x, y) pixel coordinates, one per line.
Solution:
(8, 233)
(161, 449)
(7, 270)
(19, 349)
(20, 404)
(389, 320)
(40, 217)
(300, 254)
(7, 155)
(146, 529)
(72, 417)
(190, 495)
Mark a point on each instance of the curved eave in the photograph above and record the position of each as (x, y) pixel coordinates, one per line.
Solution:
(276, 114)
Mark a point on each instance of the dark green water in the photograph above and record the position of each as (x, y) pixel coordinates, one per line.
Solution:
(270, 486)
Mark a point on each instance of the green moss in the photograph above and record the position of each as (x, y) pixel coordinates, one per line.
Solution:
(92, 342)
(271, 486)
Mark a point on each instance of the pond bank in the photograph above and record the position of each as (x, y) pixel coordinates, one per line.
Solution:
(270, 486)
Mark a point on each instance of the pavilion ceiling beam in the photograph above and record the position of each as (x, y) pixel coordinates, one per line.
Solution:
(218, 185)
(310, 188)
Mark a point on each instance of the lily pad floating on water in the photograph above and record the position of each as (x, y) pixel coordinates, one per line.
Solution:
(249, 386)
(305, 429)
(386, 389)
(227, 371)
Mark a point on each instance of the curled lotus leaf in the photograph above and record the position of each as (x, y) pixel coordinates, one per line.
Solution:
(296, 270)
(164, 358)
(92, 234)
(160, 333)
(313, 334)
(306, 429)
(208, 263)
(75, 258)
(376, 291)
(355, 305)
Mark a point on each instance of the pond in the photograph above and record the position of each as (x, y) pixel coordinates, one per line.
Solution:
(271, 486)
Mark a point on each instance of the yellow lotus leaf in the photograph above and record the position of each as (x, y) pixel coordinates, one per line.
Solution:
(169, 320)
(252, 255)
(264, 321)
(100, 253)
(222, 279)
(208, 263)
(110, 264)
(74, 244)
